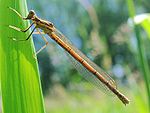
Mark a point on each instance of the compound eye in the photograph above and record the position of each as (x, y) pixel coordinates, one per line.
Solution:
(32, 12)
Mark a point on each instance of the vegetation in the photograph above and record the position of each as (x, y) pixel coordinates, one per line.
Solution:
(20, 84)
(114, 34)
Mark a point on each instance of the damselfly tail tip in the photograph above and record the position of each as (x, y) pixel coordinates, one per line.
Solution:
(125, 101)
(123, 98)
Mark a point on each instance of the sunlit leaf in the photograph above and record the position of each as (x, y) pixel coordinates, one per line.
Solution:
(20, 84)
(144, 21)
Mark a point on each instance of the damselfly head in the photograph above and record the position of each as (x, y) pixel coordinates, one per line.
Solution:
(31, 14)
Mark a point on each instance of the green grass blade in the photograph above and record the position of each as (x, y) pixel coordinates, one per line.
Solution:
(20, 83)
(144, 21)
(142, 57)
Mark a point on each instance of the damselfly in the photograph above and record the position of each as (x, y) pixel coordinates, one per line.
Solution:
(90, 70)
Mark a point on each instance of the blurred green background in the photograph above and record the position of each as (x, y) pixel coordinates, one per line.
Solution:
(102, 30)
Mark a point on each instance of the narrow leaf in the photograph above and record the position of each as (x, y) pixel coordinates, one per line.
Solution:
(20, 83)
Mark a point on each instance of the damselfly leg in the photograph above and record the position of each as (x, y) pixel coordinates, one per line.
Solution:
(45, 40)
(24, 18)
(32, 32)
(18, 29)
